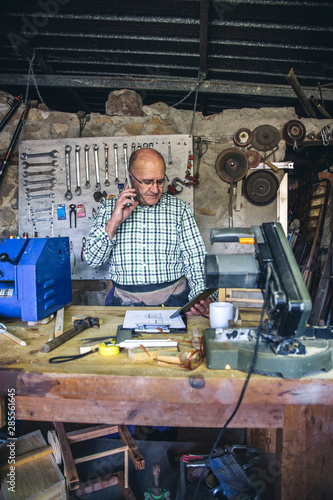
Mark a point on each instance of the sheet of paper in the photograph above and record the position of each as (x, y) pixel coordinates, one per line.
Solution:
(149, 320)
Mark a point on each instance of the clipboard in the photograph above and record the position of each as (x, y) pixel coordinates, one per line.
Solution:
(147, 321)
(201, 296)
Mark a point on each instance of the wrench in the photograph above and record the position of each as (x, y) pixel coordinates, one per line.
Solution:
(169, 153)
(77, 167)
(115, 146)
(48, 209)
(43, 172)
(133, 147)
(41, 220)
(98, 184)
(52, 181)
(68, 194)
(51, 195)
(52, 163)
(106, 151)
(53, 154)
(125, 160)
(34, 190)
(86, 161)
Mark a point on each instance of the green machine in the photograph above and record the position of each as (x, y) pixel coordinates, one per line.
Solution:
(286, 346)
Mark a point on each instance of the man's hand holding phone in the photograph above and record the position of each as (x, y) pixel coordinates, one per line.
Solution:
(124, 206)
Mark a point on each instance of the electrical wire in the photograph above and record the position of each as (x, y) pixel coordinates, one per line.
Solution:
(240, 399)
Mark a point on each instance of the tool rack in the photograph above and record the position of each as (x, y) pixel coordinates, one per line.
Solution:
(60, 193)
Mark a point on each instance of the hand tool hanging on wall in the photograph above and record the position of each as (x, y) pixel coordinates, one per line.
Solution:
(243, 137)
(115, 149)
(126, 161)
(106, 159)
(14, 138)
(200, 148)
(72, 212)
(14, 104)
(231, 165)
(253, 158)
(68, 194)
(260, 187)
(86, 165)
(79, 326)
(52, 154)
(294, 133)
(77, 169)
(265, 137)
(98, 182)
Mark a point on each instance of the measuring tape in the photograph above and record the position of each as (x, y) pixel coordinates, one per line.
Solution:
(108, 348)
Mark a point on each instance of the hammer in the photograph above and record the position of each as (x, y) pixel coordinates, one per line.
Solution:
(79, 326)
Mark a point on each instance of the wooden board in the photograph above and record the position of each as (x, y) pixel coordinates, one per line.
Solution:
(38, 480)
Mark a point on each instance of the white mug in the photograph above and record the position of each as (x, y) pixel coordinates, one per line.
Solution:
(220, 313)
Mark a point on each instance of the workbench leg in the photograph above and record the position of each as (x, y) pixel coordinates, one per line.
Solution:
(307, 453)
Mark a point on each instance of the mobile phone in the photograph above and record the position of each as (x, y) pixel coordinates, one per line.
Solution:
(130, 186)
(201, 296)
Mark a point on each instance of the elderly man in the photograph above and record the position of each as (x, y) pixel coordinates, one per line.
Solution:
(151, 238)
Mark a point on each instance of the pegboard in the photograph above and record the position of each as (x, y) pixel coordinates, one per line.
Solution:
(47, 213)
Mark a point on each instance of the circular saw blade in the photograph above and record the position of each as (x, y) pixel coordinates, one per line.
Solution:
(253, 158)
(243, 137)
(294, 132)
(231, 165)
(265, 137)
(260, 187)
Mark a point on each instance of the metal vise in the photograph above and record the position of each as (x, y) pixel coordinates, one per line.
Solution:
(35, 277)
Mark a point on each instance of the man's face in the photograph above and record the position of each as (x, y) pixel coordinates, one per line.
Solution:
(150, 170)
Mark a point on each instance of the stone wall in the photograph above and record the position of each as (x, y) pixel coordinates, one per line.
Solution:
(211, 196)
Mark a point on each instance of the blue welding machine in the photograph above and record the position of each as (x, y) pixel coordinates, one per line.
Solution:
(35, 277)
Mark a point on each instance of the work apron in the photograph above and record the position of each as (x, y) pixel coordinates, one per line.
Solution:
(172, 294)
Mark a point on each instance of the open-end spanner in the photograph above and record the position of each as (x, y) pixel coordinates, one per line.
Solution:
(43, 172)
(52, 163)
(52, 181)
(77, 168)
(98, 184)
(86, 163)
(35, 190)
(53, 154)
(106, 152)
(49, 219)
(115, 146)
(125, 159)
(50, 195)
(68, 194)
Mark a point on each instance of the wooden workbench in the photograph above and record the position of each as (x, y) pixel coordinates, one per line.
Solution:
(116, 390)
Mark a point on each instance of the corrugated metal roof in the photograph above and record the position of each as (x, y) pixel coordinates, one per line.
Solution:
(241, 50)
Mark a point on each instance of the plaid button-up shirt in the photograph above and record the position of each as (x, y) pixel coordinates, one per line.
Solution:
(155, 244)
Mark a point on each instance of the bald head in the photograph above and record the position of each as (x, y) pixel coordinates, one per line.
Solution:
(145, 155)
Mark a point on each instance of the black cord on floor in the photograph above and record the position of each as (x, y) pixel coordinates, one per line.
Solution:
(240, 399)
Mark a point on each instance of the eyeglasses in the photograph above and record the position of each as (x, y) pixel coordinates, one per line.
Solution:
(188, 360)
(149, 183)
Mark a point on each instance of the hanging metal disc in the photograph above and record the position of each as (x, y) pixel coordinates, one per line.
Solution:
(294, 132)
(260, 187)
(253, 158)
(265, 137)
(231, 165)
(243, 137)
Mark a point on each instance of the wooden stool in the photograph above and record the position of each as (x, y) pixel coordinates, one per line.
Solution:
(74, 485)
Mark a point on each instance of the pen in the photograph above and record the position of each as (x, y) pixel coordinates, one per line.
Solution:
(204, 316)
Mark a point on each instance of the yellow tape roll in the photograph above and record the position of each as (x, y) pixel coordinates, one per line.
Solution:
(108, 349)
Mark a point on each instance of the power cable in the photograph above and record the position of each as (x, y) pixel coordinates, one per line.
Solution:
(240, 399)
